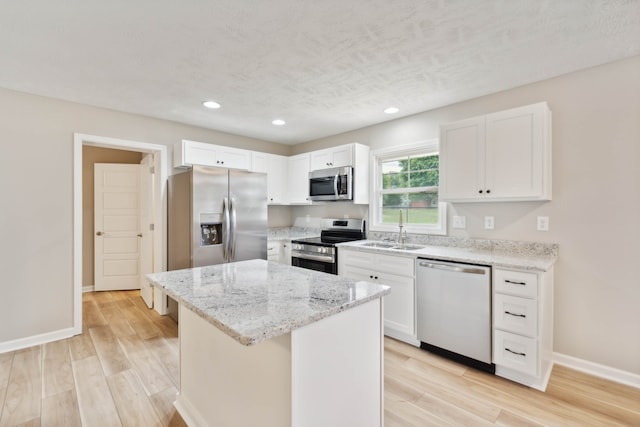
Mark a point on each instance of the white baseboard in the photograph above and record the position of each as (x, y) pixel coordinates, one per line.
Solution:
(88, 288)
(21, 343)
(597, 370)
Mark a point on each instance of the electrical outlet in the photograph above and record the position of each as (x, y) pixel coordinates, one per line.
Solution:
(543, 223)
(488, 222)
(459, 221)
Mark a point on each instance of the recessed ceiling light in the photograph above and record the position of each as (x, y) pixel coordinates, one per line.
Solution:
(211, 104)
(391, 110)
(278, 122)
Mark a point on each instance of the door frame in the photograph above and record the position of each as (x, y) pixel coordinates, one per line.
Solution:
(160, 211)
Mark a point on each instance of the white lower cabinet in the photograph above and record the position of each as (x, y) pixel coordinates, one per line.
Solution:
(397, 272)
(279, 251)
(523, 326)
(274, 249)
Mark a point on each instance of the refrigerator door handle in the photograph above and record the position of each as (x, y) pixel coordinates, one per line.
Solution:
(226, 227)
(232, 207)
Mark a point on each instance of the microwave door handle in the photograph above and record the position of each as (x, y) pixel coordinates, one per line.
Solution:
(335, 184)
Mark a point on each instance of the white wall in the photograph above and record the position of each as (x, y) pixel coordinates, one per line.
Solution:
(595, 211)
(36, 219)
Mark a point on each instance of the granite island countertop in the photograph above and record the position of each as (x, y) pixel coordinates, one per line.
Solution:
(256, 300)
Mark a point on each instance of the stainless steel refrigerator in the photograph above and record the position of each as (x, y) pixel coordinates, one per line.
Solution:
(215, 216)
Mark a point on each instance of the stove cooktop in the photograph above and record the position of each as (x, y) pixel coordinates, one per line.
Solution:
(337, 231)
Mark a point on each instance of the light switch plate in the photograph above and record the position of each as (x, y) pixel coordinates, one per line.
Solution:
(459, 221)
(488, 222)
(543, 223)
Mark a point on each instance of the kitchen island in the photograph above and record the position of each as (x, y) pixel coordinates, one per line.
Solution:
(267, 344)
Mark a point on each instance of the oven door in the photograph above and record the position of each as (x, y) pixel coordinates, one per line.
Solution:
(315, 264)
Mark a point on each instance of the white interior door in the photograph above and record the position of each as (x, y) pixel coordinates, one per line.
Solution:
(117, 237)
(146, 226)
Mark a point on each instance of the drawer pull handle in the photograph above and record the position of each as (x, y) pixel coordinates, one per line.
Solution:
(515, 283)
(515, 314)
(517, 353)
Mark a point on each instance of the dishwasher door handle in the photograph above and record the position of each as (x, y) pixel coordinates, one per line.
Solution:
(454, 268)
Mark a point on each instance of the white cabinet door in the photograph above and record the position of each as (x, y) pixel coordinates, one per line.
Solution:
(320, 159)
(505, 156)
(285, 253)
(298, 179)
(394, 271)
(462, 160)
(332, 157)
(514, 152)
(274, 250)
(233, 158)
(277, 171)
(189, 153)
(259, 162)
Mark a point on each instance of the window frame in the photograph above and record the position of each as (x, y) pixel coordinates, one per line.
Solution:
(428, 147)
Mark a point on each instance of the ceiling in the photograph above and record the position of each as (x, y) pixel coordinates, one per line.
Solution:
(325, 66)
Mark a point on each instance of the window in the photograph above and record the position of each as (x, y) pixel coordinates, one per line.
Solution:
(406, 183)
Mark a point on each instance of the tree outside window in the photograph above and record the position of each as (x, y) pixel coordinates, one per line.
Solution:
(410, 186)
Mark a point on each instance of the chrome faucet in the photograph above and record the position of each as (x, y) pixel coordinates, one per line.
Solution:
(402, 236)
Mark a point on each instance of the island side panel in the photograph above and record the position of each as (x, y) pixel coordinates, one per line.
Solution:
(224, 383)
(337, 368)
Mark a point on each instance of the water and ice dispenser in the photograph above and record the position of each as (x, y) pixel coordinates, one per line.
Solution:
(210, 229)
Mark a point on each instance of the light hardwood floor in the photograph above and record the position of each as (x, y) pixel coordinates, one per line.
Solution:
(123, 371)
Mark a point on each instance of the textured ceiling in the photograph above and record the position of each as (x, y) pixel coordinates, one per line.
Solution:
(324, 66)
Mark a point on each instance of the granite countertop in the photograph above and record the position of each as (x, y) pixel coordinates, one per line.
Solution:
(256, 300)
(515, 256)
(292, 233)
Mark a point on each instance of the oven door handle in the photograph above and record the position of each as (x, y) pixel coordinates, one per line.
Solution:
(322, 258)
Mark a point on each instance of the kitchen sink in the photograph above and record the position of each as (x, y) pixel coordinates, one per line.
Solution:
(408, 247)
(378, 245)
(384, 245)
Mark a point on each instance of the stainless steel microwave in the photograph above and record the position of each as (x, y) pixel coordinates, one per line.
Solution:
(331, 184)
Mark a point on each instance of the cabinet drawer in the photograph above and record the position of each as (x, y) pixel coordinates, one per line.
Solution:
(515, 352)
(357, 258)
(515, 283)
(515, 314)
(374, 262)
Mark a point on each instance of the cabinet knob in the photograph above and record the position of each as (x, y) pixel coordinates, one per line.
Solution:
(488, 191)
(480, 191)
(375, 277)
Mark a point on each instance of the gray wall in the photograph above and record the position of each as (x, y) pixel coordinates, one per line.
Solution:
(595, 211)
(36, 171)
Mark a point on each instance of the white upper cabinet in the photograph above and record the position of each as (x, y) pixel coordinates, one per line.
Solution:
(188, 153)
(504, 156)
(277, 172)
(276, 167)
(298, 179)
(332, 157)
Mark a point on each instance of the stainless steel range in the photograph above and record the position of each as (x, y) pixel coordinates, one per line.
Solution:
(321, 253)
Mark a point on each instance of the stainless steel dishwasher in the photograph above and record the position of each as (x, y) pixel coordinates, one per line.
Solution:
(454, 311)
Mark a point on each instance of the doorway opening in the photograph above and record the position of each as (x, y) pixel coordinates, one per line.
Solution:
(159, 153)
